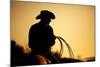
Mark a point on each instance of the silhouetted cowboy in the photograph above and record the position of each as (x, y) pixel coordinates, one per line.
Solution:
(41, 36)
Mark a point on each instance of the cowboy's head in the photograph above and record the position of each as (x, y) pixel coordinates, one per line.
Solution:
(46, 16)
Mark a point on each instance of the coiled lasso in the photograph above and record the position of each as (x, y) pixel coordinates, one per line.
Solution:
(61, 40)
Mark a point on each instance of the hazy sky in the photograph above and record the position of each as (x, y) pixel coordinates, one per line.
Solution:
(75, 23)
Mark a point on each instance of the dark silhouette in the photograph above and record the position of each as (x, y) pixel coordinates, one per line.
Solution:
(17, 54)
(41, 39)
(41, 36)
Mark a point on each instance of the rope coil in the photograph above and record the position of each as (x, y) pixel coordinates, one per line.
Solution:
(61, 40)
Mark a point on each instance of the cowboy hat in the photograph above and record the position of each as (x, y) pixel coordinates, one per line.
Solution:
(45, 14)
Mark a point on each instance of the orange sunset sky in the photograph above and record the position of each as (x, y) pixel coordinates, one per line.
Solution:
(75, 23)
